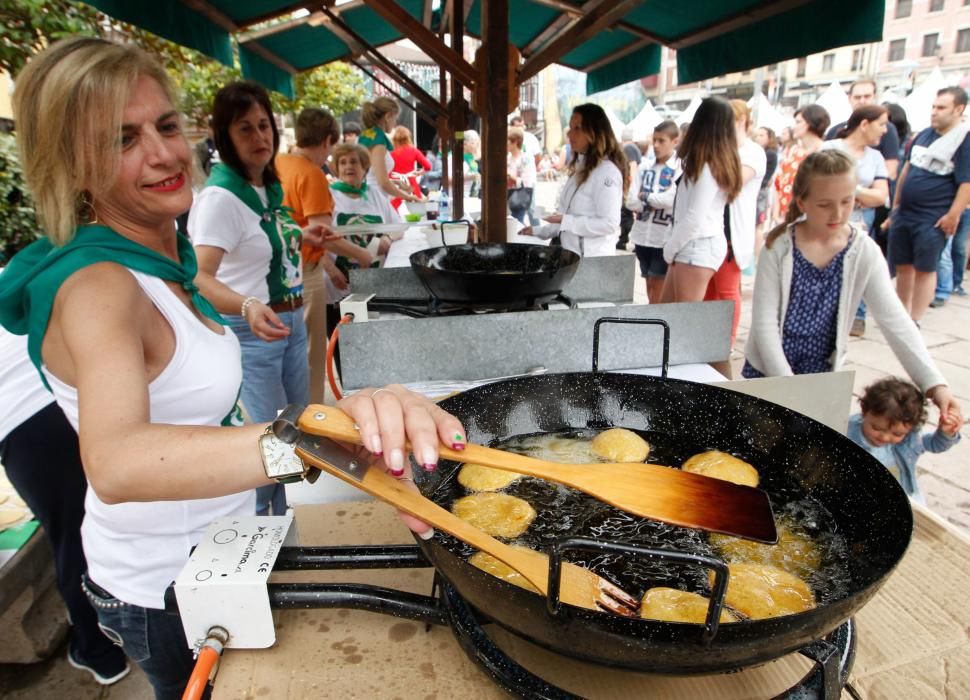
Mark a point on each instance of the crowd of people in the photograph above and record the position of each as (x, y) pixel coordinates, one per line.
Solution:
(126, 307)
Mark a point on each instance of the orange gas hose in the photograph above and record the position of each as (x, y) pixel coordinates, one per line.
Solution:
(199, 679)
(331, 346)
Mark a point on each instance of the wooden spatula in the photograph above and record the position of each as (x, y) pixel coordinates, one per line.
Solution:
(580, 587)
(648, 490)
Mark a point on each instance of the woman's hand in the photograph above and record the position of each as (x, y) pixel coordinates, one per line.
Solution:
(317, 235)
(525, 231)
(384, 246)
(389, 416)
(951, 414)
(364, 258)
(265, 324)
(553, 218)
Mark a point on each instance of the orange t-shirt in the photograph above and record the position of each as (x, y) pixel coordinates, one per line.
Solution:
(305, 191)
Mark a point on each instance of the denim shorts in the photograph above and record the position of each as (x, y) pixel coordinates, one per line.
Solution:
(151, 638)
(652, 262)
(703, 252)
(916, 243)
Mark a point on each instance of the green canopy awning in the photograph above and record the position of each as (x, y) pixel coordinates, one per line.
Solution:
(617, 41)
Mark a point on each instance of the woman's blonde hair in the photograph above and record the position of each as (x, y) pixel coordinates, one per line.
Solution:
(742, 111)
(346, 149)
(69, 104)
(401, 136)
(819, 164)
(373, 112)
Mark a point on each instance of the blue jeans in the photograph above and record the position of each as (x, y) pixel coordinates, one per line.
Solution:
(153, 639)
(274, 375)
(953, 260)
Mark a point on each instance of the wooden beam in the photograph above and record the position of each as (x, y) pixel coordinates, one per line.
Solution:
(456, 112)
(428, 13)
(605, 14)
(445, 56)
(212, 14)
(493, 101)
(736, 21)
(575, 11)
(417, 107)
(617, 55)
(355, 42)
(269, 56)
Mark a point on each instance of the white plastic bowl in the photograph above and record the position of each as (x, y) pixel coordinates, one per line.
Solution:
(417, 208)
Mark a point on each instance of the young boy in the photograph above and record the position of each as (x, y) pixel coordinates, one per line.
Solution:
(889, 429)
(651, 198)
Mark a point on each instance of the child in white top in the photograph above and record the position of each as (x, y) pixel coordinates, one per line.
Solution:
(652, 200)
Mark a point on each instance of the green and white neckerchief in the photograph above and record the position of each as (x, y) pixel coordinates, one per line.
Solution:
(283, 278)
(346, 188)
(29, 284)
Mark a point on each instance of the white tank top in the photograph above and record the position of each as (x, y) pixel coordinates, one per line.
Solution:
(134, 550)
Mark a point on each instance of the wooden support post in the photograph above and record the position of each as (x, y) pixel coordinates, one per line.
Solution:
(492, 93)
(456, 112)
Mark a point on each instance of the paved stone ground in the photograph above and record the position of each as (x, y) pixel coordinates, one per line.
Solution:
(944, 478)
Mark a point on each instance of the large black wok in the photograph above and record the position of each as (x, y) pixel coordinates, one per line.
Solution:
(791, 452)
(495, 274)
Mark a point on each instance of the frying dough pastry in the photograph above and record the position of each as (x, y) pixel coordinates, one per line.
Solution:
(476, 477)
(620, 445)
(491, 565)
(759, 591)
(673, 605)
(796, 552)
(721, 465)
(498, 514)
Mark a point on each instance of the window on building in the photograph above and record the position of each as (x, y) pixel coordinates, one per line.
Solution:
(931, 43)
(897, 49)
(828, 63)
(963, 41)
(936, 5)
(904, 8)
(802, 66)
(858, 58)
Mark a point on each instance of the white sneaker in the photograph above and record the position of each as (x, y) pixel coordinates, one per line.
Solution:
(103, 676)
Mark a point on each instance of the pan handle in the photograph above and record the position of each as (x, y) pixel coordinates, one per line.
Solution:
(644, 321)
(584, 544)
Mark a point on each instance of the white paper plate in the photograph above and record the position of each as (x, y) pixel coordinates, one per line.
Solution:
(370, 229)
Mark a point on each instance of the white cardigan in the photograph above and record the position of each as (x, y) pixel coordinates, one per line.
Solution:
(864, 275)
(590, 214)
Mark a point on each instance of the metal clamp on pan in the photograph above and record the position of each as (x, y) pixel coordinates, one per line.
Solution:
(583, 544)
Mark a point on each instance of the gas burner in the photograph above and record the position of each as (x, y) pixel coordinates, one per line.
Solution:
(833, 655)
(432, 306)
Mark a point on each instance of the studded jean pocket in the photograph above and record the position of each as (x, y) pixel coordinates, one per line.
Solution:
(125, 625)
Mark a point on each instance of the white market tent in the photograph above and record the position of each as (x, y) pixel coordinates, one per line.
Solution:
(615, 122)
(888, 96)
(919, 103)
(766, 115)
(642, 125)
(836, 102)
(688, 114)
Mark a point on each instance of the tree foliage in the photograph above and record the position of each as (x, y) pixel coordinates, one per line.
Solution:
(26, 26)
(18, 221)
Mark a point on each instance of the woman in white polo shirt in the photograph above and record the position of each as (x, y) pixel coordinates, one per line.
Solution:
(588, 218)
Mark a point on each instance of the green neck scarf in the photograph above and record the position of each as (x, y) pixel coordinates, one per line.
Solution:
(283, 278)
(30, 282)
(342, 186)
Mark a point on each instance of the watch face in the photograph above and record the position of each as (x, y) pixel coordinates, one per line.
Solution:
(279, 458)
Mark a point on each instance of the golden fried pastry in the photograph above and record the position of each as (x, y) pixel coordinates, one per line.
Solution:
(795, 552)
(673, 605)
(476, 477)
(498, 514)
(491, 565)
(721, 465)
(759, 591)
(620, 445)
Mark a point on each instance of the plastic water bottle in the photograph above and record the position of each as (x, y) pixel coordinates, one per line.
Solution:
(444, 206)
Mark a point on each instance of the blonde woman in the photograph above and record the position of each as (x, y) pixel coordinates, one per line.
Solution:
(380, 118)
(139, 361)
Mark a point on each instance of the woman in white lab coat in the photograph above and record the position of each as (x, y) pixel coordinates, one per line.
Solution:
(588, 212)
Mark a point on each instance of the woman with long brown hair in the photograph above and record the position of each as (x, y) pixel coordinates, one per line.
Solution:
(590, 201)
(712, 178)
